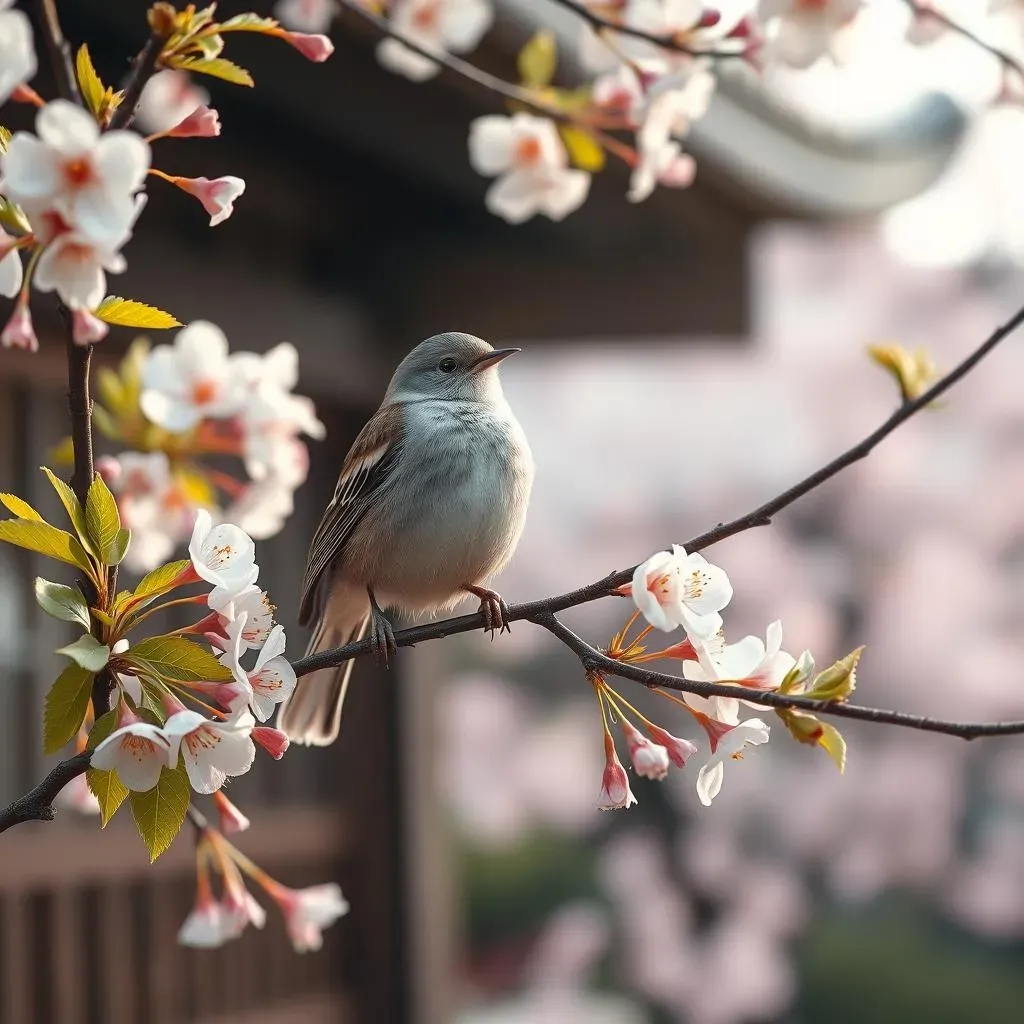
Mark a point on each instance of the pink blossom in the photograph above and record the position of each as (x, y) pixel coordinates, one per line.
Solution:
(19, 332)
(202, 123)
(217, 195)
(650, 760)
(273, 741)
(86, 328)
(308, 911)
(312, 46)
(231, 818)
(615, 791)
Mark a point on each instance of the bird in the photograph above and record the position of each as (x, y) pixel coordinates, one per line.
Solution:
(430, 504)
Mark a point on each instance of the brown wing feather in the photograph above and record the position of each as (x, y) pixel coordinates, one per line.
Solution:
(367, 466)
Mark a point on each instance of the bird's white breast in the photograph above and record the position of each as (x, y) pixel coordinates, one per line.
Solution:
(456, 504)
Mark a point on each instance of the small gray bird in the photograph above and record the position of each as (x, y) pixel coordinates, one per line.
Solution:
(430, 504)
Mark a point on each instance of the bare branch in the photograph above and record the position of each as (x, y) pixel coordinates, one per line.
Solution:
(37, 804)
(143, 68)
(60, 51)
(761, 516)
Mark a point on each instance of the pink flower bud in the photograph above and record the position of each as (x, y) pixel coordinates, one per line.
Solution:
(313, 47)
(217, 195)
(19, 332)
(87, 329)
(714, 728)
(615, 791)
(709, 18)
(273, 741)
(231, 818)
(678, 749)
(650, 760)
(202, 123)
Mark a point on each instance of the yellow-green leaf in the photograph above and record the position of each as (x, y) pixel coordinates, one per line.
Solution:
(109, 790)
(129, 313)
(64, 603)
(119, 546)
(46, 540)
(175, 657)
(838, 681)
(537, 60)
(63, 452)
(5, 138)
(101, 518)
(160, 812)
(22, 509)
(216, 67)
(72, 506)
(833, 744)
(160, 580)
(93, 90)
(87, 652)
(249, 23)
(65, 707)
(584, 150)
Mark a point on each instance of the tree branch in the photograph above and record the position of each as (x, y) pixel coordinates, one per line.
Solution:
(37, 804)
(143, 68)
(761, 516)
(60, 52)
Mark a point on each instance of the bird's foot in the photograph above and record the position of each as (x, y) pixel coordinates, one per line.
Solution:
(493, 609)
(382, 634)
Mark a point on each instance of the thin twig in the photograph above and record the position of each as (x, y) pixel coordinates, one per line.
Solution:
(37, 803)
(593, 659)
(60, 52)
(761, 516)
(143, 68)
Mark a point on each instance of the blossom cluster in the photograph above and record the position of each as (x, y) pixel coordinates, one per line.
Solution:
(674, 589)
(175, 404)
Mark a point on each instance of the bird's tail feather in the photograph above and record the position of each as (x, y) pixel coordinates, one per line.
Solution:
(312, 714)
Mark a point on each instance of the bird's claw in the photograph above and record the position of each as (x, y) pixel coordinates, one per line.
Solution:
(382, 633)
(493, 609)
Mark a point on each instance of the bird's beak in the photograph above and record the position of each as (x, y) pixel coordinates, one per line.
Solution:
(492, 358)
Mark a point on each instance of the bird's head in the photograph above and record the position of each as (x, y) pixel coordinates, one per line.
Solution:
(451, 366)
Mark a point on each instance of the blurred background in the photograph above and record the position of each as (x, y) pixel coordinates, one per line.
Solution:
(684, 360)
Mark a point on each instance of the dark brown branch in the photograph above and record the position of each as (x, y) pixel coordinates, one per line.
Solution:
(143, 68)
(60, 52)
(593, 659)
(761, 516)
(37, 804)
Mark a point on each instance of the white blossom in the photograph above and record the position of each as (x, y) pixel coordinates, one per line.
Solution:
(11, 275)
(799, 32)
(169, 97)
(674, 589)
(306, 15)
(212, 750)
(439, 26)
(137, 751)
(223, 555)
(730, 746)
(17, 53)
(308, 911)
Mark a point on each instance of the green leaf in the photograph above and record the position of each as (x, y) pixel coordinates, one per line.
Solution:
(22, 509)
(5, 138)
(65, 708)
(71, 505)
(838, 681)
(108, 789)
(64, 603)
(93, 90)
(101, 517)
(217, 67)
(161, 579)
(129, 313)
(833, 744)
(151, 700)
(119, 548)
(175, 657)
(584, 150)
(88, 652)
(249, 23)
(537, 60)
(160, 812)
(46, 540)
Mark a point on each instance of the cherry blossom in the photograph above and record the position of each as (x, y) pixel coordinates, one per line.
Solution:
(247, 616)
(271, 680)
(169, 98)
(222, 555)
(679, 750)
(802, 31)
(531, 164)
(217, 195)
(436, 25)
(265, 505)
(76, 267)
(273, 741)
(189, 380)
(306, 15)
(651, 760)
(202, 123)
(212, 750)
(17, 54)
(750, 661)
(312, 46)
(729, 747)
(78, 797)
(136, 750)
(10, 266)
(231, 818)
(308, 911)
(18, 332)
(207, 926)
(674, 589)
(615, 791)
(87, 329)
(88, 178)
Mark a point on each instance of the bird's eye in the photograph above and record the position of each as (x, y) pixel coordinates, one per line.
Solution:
(447, 365)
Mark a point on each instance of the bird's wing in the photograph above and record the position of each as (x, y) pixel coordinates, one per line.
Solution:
(367, 466)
